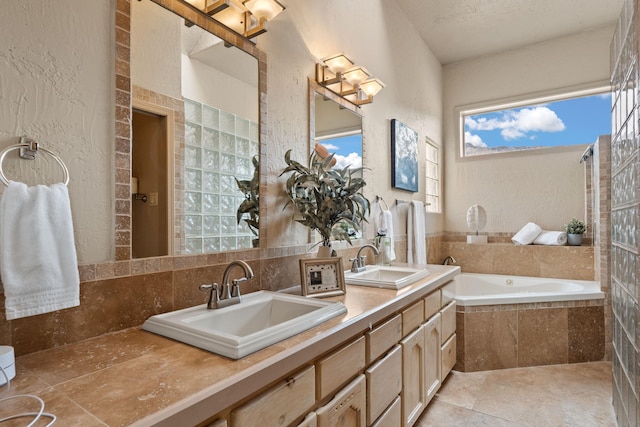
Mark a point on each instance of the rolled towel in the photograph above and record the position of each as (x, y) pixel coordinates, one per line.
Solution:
(551, 238)
(527, 234)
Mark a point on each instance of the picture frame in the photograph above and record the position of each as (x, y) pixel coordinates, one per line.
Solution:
(322, 277)
(404, 157)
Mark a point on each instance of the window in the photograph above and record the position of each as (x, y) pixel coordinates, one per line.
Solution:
(433, 178)
(535, 124)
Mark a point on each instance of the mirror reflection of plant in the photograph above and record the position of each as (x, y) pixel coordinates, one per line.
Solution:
(249, 209)
(327, 200)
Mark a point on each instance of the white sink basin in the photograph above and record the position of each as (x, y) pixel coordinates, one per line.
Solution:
(261, 319)
(385, 276)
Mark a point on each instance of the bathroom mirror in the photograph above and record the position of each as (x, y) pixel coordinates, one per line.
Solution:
(198, 96)
(336, 125)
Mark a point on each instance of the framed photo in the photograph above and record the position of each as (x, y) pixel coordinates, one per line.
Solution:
(404, 157)
(322, 277)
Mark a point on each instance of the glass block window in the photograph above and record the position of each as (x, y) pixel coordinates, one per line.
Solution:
(219, 147)
(433, 178)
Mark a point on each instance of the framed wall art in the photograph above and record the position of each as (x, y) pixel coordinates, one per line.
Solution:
(322, 277)
(404, 157)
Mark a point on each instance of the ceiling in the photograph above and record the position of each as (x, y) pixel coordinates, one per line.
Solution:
(456, 30)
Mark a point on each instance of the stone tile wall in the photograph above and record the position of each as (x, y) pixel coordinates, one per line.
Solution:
(519, 335)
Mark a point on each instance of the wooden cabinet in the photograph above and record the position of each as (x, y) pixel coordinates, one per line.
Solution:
(281, 405)
(448, 321)
(412, 317)
(432, 358)
(346, 409)
(392, 417)
(383, 337)
(432, 304)
(339, 367)
(384, 383)
(448, 355)
(413, 377)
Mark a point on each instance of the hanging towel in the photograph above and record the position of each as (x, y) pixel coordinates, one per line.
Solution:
(416, 242)
(38, 264)
(384, 220)
(527, 234)
(551, 238)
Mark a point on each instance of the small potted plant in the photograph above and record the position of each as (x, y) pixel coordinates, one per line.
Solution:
(327, 200)
(575, 229)
(249, 209)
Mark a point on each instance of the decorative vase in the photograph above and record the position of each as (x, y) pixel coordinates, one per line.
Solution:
(324, 251)
(574, 239)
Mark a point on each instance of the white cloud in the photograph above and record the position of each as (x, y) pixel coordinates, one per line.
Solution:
(330, 147)
(353, 160)
(474, 140)
(516, 124)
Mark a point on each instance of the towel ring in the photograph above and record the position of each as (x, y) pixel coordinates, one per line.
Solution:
(30, 147)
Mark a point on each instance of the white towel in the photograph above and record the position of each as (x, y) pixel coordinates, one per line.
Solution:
(38, 263)
(416, 242)
(551, 238)
(527, 234)
(384, 220)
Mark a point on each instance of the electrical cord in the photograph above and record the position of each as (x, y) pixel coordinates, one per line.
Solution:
(39, 414)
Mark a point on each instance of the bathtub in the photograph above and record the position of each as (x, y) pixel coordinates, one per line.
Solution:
(474, 289)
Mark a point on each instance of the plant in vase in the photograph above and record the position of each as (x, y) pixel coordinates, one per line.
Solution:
(326, 200)
(575, 229)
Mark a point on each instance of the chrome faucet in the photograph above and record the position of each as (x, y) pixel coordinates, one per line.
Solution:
(226, 294)
(359, 263)
(448, 260)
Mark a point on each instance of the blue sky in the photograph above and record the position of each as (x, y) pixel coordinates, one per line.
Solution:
(347, 149)
(558, 123)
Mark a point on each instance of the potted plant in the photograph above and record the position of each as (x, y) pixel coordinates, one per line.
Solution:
(575, 229)
(249, 209)
(327, 200)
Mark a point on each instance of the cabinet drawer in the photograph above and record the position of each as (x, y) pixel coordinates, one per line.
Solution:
(448, 293)
(347, 408)
(383, 337)
(412, 317)
(448, 356)
(392, 417)
(432, 304)
(448, 321)
(384, 382)
(339, 367)
(281, 404)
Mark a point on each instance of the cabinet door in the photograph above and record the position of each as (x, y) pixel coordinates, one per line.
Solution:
(281, 404)
(339, 367)
(448, 356)
(448, 321)
(432, 364)
(384, 383)
(383, 337)
(413, 378)
(346, 409)
(392, 417)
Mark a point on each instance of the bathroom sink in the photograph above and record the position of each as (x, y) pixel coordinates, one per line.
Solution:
(261, 319)
(384, 276)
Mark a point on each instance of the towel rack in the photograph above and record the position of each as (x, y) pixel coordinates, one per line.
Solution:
(381, 200)
(28, 150)
(400, 202)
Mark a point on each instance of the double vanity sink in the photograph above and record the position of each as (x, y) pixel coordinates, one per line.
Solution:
(264, 317)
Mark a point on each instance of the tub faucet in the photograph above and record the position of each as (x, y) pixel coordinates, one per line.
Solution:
(448, 260)
(359, 263)
(225, 295)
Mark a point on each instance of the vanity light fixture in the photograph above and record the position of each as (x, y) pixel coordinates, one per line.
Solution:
(339, 74)
(248, 18)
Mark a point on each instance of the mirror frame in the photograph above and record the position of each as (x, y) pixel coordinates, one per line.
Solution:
(123, 109)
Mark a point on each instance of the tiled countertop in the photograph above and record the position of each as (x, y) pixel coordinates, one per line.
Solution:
(136, 377)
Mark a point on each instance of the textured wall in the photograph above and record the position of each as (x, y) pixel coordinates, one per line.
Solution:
(56, 85)
(545, 188)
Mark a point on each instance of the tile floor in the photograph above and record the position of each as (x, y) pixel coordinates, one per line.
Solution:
(542, 396)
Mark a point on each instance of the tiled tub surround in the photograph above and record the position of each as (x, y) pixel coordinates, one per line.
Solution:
(518, 335)
(135, 377)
